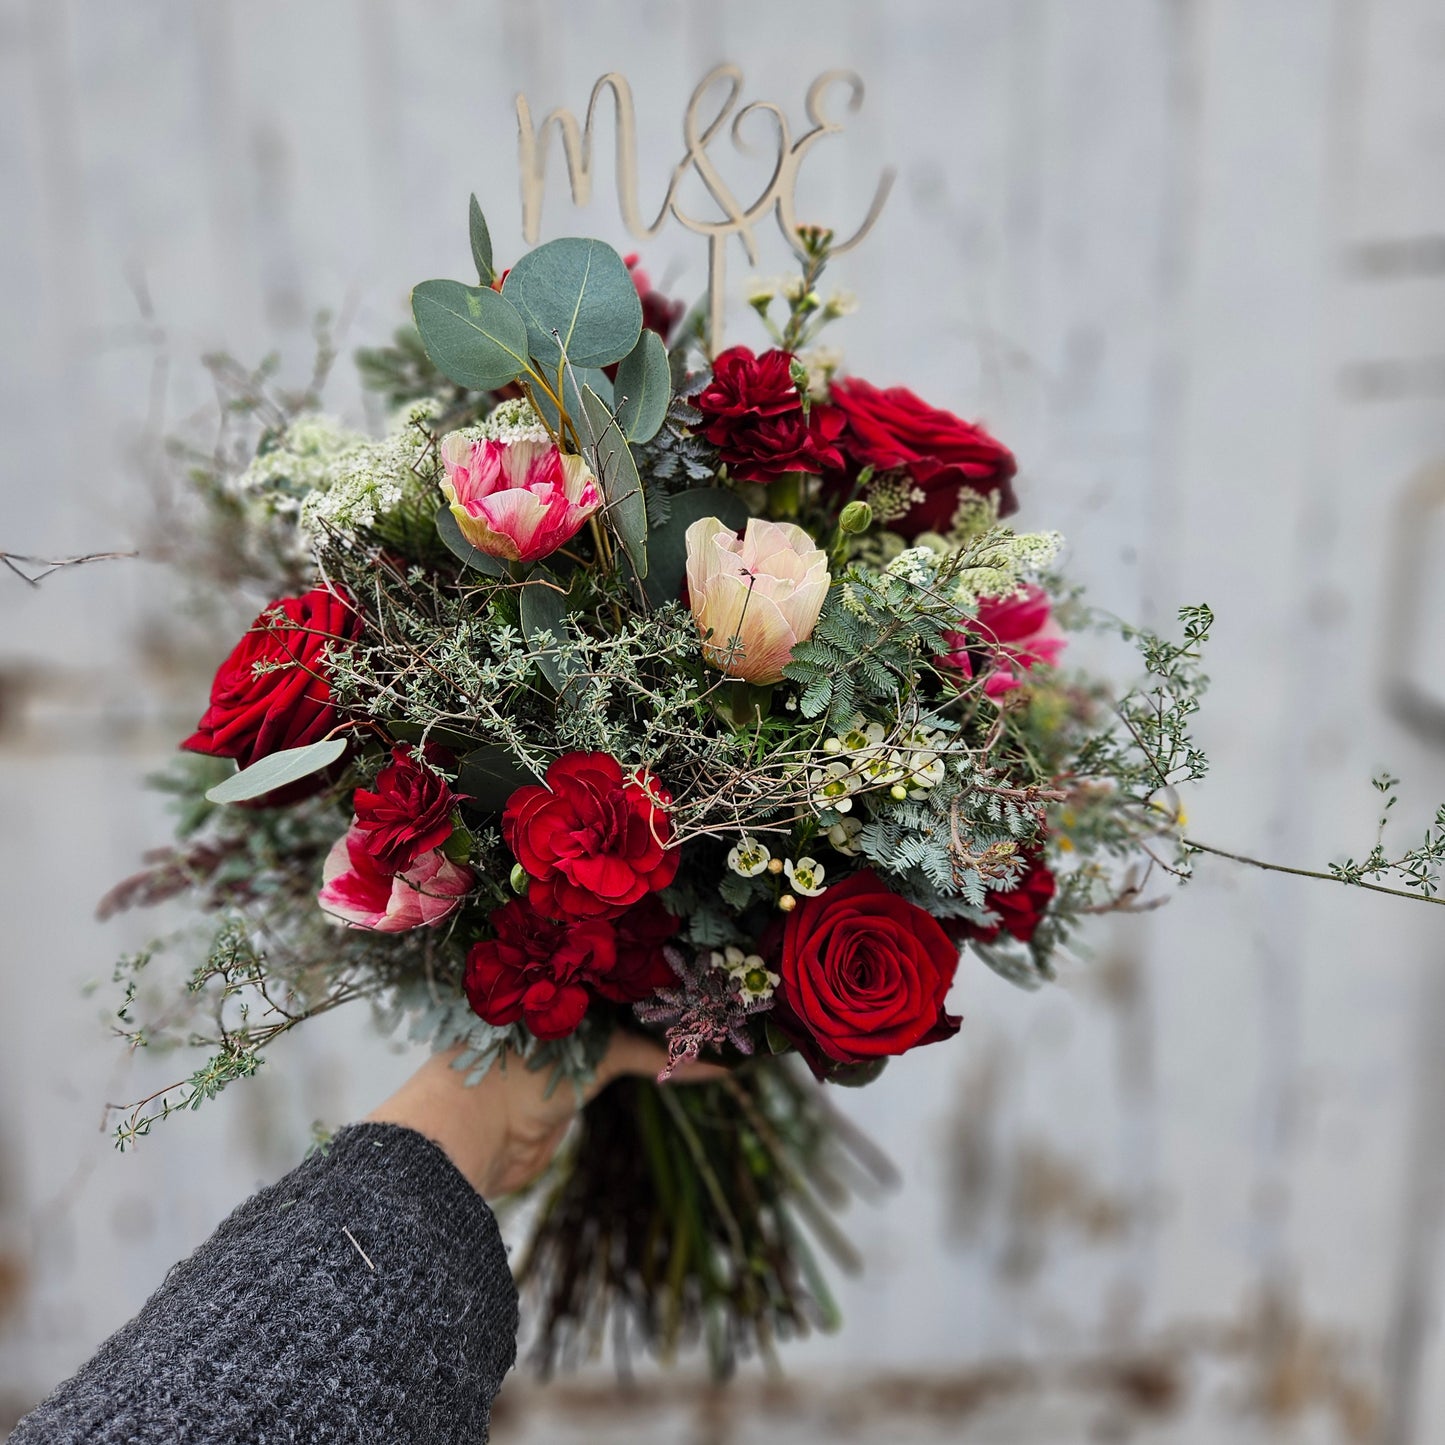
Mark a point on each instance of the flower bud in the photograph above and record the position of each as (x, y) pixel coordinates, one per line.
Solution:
(518, 878)
(787, 903)
(856, 517)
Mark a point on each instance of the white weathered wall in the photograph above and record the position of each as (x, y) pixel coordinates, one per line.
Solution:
(1188, 257)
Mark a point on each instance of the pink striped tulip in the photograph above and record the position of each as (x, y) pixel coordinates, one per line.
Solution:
(519, 500)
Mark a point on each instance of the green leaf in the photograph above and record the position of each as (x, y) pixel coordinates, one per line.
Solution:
(472, 333)
(451, 534)
(276, 770)
(582, 290)
(857, 1076)
(645, 385)
(543, 608)
(625, 508)
(572, 378)
(490, 775)
(778, 1041)
(405, 731)
(481, 242)
(667, 546)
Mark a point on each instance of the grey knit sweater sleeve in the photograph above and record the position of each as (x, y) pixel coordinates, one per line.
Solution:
(285, 1327)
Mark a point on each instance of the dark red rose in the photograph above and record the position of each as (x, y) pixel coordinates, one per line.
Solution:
(409, 813)
(753, 415)
(593, 841)
(942, 455)
(659, 313)
(289, 704)
(1019, 911)
(642, 966)
(864, 974)
(538, 971)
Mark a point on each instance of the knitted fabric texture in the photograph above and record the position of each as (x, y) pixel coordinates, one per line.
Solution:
(278, 1330)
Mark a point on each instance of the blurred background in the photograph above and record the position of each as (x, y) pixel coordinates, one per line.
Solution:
(1188, 258)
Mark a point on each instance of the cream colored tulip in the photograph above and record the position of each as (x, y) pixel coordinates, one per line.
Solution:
(755, 597)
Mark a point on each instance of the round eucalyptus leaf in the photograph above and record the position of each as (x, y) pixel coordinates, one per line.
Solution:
(644, 388)
(582, 290)
(472, 333)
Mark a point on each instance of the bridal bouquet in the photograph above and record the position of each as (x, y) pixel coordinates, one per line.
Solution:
(625, 685)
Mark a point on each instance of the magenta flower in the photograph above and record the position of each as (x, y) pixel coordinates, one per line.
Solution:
(1007, 637)
(360, 892)
(516, 500)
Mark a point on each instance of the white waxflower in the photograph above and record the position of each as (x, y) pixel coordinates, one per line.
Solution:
(756, 981)
(833, 786)
(749, 857)
(841, 303)
(843, 835)
(806, 876)
(862, 737)
(762, 289)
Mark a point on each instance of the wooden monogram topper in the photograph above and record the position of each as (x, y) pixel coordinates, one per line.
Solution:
(737, 219)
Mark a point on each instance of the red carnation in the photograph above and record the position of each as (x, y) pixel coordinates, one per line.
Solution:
(538, 971)
(271, 693)
(864, 974)
(942, 455)
(754, 416)
(642, 966)
(592, 840)
(1020, 910)
(409, 813)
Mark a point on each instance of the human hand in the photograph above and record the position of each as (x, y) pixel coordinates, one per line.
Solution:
(501, 1133)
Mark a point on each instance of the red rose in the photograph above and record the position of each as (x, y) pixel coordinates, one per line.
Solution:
(409, 813)
(753, 415)
(538, 971)
(942, 455)
(289, 703)
(865, 973)
(642, 966)
(592, 841)
(1019, 911)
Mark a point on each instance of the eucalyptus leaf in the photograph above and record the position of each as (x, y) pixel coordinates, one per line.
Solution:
(472, 333)
(572, 378)
(582, 290)
(644, 384)
(451, 534)
(625, 509)
(667, 544)
(481, 242)
(277, 770)
(489, 776)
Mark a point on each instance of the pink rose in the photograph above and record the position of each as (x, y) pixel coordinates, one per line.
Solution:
(516, 500)
(357, 890)
(1008, 636)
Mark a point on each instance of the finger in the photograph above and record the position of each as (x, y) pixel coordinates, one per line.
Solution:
(634, 1055)
(695, 1071)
